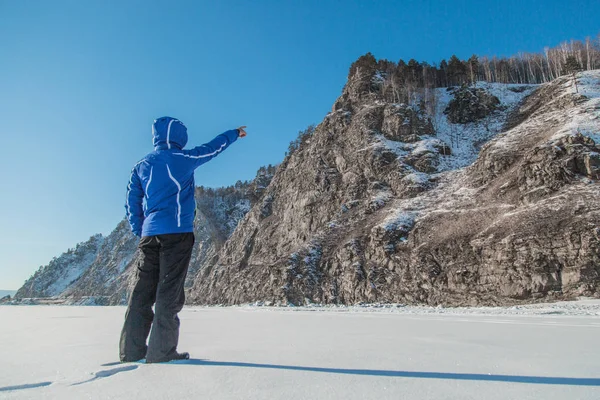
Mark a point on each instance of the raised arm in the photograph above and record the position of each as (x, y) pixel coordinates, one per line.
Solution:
(133, 204)
(201, 154)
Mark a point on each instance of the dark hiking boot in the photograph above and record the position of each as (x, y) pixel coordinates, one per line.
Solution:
(171, 357)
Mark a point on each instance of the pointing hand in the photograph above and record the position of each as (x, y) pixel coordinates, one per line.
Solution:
(242, 131)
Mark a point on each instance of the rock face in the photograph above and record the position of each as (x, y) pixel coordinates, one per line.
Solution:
(102, 270)
(403, 123)
(470, 105)
(369, 210)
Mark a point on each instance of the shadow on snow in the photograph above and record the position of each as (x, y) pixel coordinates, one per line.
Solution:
(107, 373)
(25, 386)
(542, 380)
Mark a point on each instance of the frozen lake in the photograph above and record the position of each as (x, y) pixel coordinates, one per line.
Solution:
(263, 353)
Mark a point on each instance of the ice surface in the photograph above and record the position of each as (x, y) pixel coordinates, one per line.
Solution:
(387, 352)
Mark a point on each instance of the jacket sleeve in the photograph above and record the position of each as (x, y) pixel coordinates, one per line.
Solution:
(201, 154)
(133, 205)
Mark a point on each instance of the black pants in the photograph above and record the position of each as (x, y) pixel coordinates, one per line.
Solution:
(162, 269)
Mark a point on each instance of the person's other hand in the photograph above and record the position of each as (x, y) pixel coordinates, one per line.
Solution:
(242, 131)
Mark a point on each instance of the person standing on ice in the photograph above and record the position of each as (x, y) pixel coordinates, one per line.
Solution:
(160, 208)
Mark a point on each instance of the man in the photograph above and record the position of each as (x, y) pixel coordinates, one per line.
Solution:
(160, 208)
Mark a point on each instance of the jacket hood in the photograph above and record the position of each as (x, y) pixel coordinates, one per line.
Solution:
(169, 133)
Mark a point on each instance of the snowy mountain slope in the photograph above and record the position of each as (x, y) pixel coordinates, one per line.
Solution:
(102, 270)
(108, 279)
(61, 272)
(95, 272)
(381, 205)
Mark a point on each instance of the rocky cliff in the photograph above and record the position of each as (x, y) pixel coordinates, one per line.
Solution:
(455, 196)
(388, 202)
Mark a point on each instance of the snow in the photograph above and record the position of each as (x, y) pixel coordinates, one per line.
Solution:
(400, 148)
(123, 263)
(71, 273)
(386, 352)
(465, 139)
(585, 118)
(237, 212)
(380, 198)
(588, 83)
(399, 220)
(583, 307)
(417, 178)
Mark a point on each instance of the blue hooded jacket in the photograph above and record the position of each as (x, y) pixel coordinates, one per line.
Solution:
(160, 194)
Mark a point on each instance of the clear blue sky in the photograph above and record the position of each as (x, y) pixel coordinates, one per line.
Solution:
(82, 81)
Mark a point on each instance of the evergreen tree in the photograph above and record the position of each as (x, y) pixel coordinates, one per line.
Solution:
(401, 71)
(386, 66)
(443, 81)
(572, 66)
(366, 64)
(414, 71)
(457, 70)
(473, 64)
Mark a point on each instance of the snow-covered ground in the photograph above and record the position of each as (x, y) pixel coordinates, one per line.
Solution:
(51, 352)
(584, 119)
